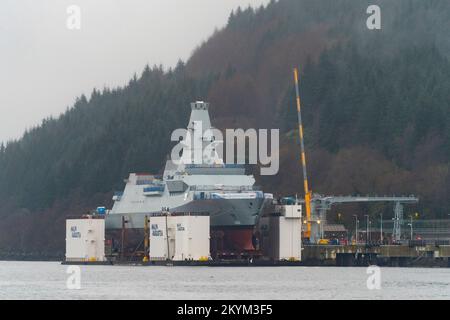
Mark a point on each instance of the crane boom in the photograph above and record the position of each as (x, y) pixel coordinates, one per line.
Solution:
(308, 192)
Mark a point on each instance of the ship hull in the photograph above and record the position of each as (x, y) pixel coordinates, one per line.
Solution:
(223, 213)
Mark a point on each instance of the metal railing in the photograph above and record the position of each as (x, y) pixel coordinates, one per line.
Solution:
(224, 188)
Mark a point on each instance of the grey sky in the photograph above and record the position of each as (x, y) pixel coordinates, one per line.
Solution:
(44, 65)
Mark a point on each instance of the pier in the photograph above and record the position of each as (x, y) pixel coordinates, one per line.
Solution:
(382, 255)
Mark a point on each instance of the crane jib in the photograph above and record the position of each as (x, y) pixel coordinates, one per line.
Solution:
(308, 192)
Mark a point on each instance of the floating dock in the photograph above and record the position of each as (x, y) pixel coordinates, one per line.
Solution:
(186, 240)
(321, 255)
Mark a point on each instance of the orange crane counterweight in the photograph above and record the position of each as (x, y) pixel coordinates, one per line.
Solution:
(308, 192)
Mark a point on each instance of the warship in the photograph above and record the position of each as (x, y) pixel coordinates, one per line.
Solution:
(223, 191)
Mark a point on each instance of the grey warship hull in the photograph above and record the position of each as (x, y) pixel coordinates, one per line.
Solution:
(222, 212)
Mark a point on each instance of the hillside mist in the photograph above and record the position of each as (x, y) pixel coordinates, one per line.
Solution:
(376, 109)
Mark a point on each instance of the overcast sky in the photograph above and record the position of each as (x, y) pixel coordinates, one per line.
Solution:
(44, 65)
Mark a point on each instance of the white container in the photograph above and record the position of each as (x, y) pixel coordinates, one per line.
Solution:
(285, 234)
(192, 238)
(184, 238)
(85, 239)
(162, 238)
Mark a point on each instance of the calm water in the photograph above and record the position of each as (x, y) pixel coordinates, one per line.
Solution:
(47, 280)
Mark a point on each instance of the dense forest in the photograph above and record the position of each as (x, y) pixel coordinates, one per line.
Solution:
(376, 107)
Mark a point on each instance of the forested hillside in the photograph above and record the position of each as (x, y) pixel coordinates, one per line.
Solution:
(376, 106)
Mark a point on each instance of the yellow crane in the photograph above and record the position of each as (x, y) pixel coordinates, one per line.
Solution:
(146, 239)
(308, 193)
